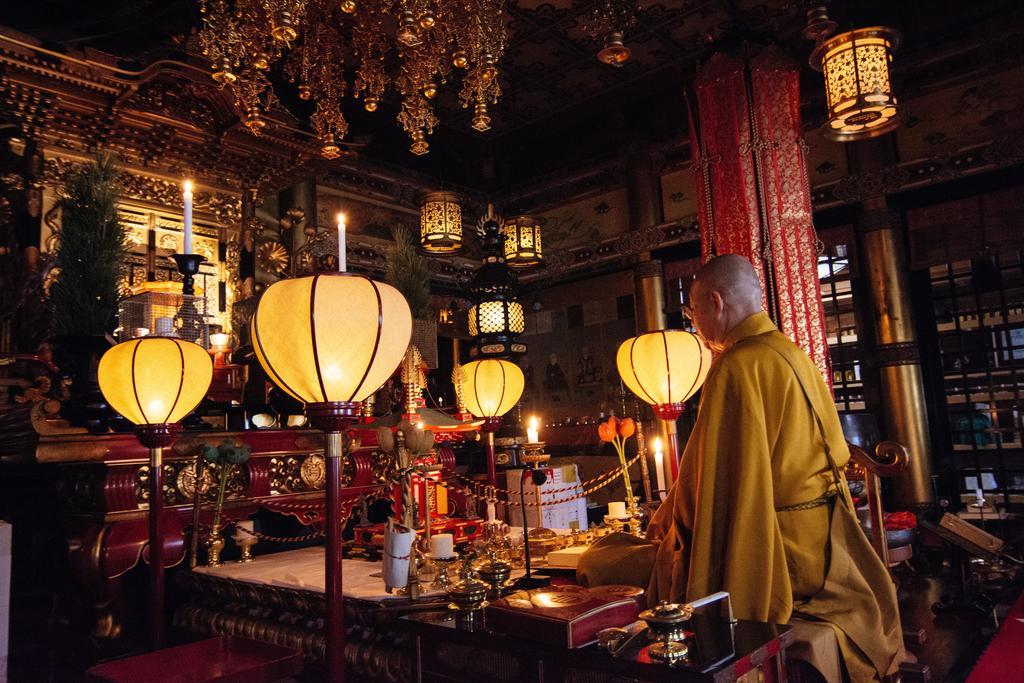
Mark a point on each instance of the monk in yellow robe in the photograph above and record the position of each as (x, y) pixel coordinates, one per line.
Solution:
(760, 508)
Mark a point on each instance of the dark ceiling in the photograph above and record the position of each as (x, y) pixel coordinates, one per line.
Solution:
(560, 107)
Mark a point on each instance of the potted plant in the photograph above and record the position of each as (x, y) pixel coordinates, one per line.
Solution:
(407, 271)
(89, 258)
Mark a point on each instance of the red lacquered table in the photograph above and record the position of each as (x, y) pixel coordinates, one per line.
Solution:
(227, 659)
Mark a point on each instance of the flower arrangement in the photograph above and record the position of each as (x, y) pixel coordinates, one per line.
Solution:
(225, 456)
(616, 432)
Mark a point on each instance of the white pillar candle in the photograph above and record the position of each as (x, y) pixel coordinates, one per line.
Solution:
(617, 510)
(442, 546)
(531, 432)
(187, 195)
(492, 515)
(342, 261)
(243, 526)
(659, 468)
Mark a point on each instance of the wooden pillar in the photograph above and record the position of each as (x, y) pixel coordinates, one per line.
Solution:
(880, 233)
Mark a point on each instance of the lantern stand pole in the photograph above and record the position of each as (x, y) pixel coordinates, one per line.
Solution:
(491, 425)
(333, 418)
(673, 448)
(670, 412)
(156, 437)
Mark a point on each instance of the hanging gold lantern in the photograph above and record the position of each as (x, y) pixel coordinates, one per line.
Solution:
(522, 242)
(858, 82)
(440, 223)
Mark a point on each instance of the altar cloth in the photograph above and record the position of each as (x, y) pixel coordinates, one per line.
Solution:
(303, 569)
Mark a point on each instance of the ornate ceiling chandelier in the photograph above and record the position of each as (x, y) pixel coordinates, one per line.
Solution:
(412, 46)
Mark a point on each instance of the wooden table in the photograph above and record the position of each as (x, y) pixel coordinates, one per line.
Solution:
(445, 653)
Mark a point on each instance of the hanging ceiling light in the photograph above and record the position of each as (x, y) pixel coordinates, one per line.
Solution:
(858, 77)
(496, 318)
(608, 22)
(315, 39)
(440, 223)
(522, 242)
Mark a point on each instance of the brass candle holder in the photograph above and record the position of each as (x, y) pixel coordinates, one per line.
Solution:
(443, 581)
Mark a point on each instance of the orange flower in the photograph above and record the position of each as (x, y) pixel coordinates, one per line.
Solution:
(627, 428)
(606, 432)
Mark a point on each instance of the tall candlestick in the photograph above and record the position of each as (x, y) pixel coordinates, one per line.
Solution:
(187, 195)
(531, 432)
(659, 468)
(342, 264)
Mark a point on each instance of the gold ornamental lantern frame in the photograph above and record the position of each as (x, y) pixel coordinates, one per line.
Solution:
(523, 247)
(440, 223)
(858, 82)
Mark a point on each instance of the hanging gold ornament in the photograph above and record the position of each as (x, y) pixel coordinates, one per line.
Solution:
(419, 145)
(614, 53)
(407, 34)
(481, 119)
(284, 27)
(371, 104)
(459, 59)
(223, 74)
(348, 6)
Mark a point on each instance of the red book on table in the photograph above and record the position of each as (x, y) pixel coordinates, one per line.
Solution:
(567, 615)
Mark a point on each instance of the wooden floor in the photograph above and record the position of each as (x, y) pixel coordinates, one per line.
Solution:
(953, 640)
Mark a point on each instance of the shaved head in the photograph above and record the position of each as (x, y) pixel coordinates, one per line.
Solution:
(725, 292)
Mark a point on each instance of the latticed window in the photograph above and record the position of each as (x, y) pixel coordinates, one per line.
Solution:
(845, 348)
(979, 316)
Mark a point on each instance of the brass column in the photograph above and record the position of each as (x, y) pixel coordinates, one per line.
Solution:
(884, 261)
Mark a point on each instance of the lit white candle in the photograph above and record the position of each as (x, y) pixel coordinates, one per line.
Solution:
(617, 510)
(531, 432)
(659, 467)
(442, 546)
(342, 264)
(187, 195)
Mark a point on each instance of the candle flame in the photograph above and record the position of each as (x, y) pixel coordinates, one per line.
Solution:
(656, 445)
(188, 187)
(533, 422)
(341, 220)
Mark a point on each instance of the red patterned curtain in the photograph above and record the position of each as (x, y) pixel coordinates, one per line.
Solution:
(754, 192)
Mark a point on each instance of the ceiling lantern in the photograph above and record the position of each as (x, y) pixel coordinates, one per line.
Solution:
(496, 317)
(440, 223)
(858, 82)
(523, 247)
